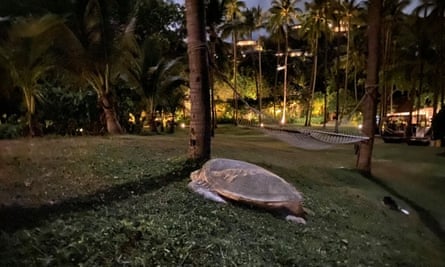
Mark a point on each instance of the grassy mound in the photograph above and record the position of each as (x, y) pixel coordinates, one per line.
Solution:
(147, 216)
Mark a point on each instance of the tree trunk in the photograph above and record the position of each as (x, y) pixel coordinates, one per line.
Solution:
(200, 128)
(235, 95)
(276, 85)
(113, 126)
(313, 83)
(286, 55)
(369, 107)
(213, 37)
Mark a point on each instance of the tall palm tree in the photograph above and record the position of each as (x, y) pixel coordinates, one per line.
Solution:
(28, 56)
(392, 18)
(254, 20)
(313, 25)
(200, 130)
(151, 74)
(234, 21)
(350, 13)
(215, 11)
(369, 107)
(283, 14)
(435, 15)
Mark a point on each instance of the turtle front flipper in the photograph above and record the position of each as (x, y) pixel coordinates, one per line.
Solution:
(295, 219)
(200, 188)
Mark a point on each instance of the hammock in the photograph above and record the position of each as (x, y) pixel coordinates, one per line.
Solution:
(310, 139)
(300, 137)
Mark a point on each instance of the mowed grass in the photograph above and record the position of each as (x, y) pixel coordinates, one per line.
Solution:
(123, 201)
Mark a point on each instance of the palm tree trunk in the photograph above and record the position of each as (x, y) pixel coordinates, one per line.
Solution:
(113, 126)
(325, 93)
(30, 106)
(213, 37)
(275, 85)
(348, 44)
(235, 95)
(260, 88)
(286, 55)
(313, 82)
(369, 107)
(200, 128)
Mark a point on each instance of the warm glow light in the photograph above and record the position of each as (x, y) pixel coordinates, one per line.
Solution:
(246, 43)
(261, 124)
(182, 125)
(295, 53)
(360, 126)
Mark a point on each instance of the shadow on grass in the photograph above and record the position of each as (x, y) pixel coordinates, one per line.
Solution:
(425, 216)
(13, 218)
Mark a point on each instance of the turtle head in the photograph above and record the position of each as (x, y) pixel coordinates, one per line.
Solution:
(195, 175)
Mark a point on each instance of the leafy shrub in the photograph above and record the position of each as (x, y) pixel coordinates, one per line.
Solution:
(65, 111)
(10, 130)
(11, 127)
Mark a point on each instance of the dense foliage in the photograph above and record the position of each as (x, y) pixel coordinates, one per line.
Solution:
(109, 45)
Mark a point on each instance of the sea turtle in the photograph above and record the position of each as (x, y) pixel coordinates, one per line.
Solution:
(220, 179)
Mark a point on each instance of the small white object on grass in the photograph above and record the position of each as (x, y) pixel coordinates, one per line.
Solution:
(404, 211)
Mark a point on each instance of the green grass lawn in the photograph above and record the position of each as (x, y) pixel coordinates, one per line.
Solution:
(123, 201)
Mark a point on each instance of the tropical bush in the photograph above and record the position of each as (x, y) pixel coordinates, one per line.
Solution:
(70, 112)
(10, 130)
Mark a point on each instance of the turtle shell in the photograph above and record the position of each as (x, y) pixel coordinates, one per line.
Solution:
(239, 180)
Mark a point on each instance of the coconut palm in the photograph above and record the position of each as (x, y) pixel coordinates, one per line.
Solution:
(234, 21)
(149, 73)
(283, 14)
(200, 130)
(254, 20)
(162, 80)
(93, 50)
(392, 18)
(313, 25)
(27, 54)
(350, 10)
(215, 11)
(435, 16)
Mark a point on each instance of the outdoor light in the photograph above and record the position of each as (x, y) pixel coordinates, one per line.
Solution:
(296, 53)
(261, 125)
(246, 43)
(280, 67)
(182, 125)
